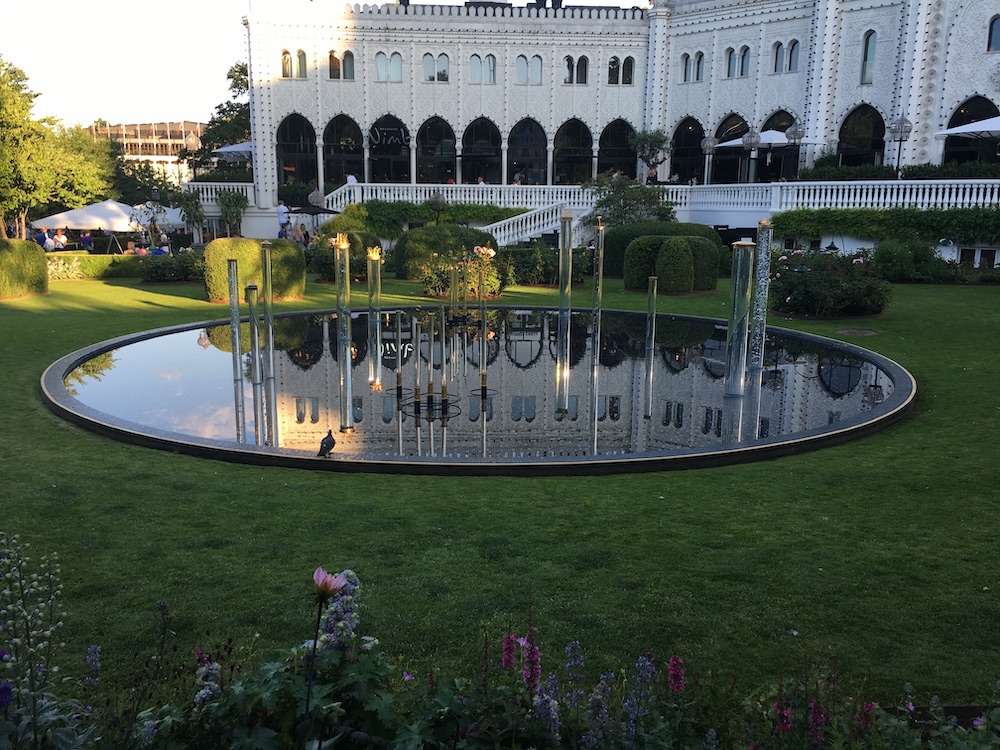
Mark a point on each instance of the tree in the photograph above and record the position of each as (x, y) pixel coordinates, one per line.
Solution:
(651, 146)
(18, 135)
(232, 205)
(231, 121)
(192, 211)
(135, 180)
(621, 201)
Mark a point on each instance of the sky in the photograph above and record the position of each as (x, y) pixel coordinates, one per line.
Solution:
(125, 61)
(132, 62)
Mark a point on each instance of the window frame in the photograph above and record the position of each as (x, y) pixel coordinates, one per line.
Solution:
(869, 45)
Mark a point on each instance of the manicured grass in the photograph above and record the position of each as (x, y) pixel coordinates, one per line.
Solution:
(878, 559)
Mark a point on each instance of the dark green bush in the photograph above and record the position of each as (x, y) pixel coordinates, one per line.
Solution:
(420, 245)
(179, 267)
(957, 170)
(640, 260)
(76, 265)
(706, 256)
(288, 267)
(827, 285)
(23, 269)
(835, 173)
(675, 266)
(617, 239)
(539, 264)
(903, 261)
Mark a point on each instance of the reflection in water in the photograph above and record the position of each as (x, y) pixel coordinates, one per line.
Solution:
(416, 391)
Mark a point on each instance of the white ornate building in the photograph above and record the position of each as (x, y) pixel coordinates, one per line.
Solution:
(430, 94)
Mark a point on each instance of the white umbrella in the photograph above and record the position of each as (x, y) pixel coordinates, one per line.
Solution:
(110, 215)
(768, 138)
(236, 152)
(982, 129)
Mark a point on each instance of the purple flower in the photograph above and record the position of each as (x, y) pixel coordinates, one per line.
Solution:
(6, 694)
(675, 674)
(93, 659)
(783, 717)
(508, 658)
(4, 655)
(532, 658)
(575, 674)
(978, 722)
(910, 707)
(867, 716)
(407, 676)
(817, 720)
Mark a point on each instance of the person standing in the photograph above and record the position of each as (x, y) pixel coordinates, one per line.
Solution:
(282, 216)
(351, 182)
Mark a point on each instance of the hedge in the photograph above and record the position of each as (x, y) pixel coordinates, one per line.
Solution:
(319, 255)
(706, 255)
(23, 269)
(675, 266)
(618, 238)
(288, 267)
(640, 260)
(964, 225)
(419, 245)
(78, 265)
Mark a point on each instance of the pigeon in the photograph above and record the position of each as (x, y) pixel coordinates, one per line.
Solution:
(326, 444)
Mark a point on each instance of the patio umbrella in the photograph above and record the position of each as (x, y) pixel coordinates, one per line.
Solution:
(768, 139)
(981, 129)
(110, 215)
(312, 210)
(236, 152)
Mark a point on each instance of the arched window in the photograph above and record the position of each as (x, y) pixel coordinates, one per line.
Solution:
(993, 45)
(347, 66)
(381, 67)
(744, 62)
(730, 63)
(793, 56)
(868, 58)
(535, 71)
(429, 67)
(685, 67)
(628, 70)
(521, 69)
(779, 58)
(286, 64)
(614, 71)
(699, 67)
(570, 69)
(862, 137)
(334, 66)
(300, 64)
(581, 70)
(475, 69)
(396, 67)
(442, 68)
(490, 69)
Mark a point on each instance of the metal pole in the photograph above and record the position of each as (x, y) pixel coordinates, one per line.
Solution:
(736, 339)
(565, 314)
(237, 349)
(758, 319)
(374, 316)
(258, 411)
(268, 361)
(650, 345)
(595, 338)
(343, 268)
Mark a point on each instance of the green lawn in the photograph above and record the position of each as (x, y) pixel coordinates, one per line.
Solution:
(878, 558)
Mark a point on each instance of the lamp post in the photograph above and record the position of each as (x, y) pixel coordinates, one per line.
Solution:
(192, 143)
(436, 203)
(794, 134)
(751, 140)
(899, 131)
(708, 144)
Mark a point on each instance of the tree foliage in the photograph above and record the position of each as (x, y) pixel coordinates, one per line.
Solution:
(231, 121)
(651, 146)
(622, 201)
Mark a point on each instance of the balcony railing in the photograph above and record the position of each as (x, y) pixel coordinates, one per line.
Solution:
(208, 192)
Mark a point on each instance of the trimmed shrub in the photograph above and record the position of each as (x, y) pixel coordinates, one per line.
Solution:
(23, 269)
(288, 267)
(902, 261)
(77, 265)
(418, 246)
(617, 239)
(706, 255)
(675, 266)
(640, 260)
(319, 255)
(180, 267)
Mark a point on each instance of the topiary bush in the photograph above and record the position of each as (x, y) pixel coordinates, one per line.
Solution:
(23, 269)
(640, 260)
(418, 246)
(675, 266)
(706, 256)
(288, 267)
(617, 239)
(181, 267)
(827, 285)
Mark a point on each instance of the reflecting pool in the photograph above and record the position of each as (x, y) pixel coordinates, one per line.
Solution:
(421, 390)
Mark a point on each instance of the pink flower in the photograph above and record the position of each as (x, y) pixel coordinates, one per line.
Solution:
(675, 674)
(508, 658)
(327, 584)
(783, 717)
(867, 716)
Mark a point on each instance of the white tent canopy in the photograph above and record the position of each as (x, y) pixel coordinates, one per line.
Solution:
(982, 129)
(236, 152)
(110, 215)
(768, 139)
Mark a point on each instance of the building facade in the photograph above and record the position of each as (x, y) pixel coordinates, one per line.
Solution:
(441, 93)
(157, 143)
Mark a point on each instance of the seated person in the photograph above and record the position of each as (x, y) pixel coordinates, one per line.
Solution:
(60, 239)
(87, 242)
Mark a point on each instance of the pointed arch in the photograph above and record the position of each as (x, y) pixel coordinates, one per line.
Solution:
(389, 150)
(436, 151)
(686, 159)
(970, 149)
(862, 137)
(343, 151)
(527, 152)
(296, 150)
(481, 155)
(573, 153)
(614, 154)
